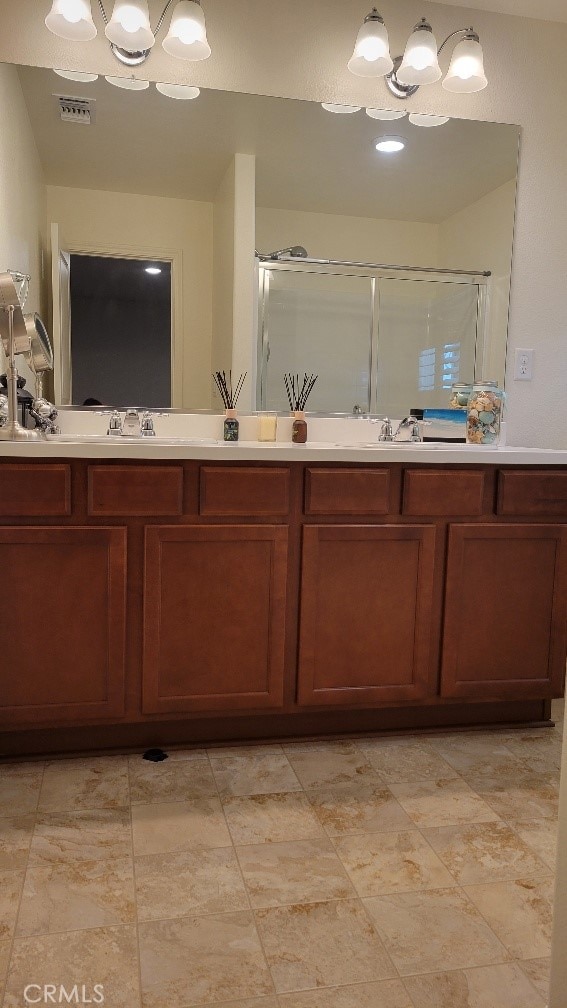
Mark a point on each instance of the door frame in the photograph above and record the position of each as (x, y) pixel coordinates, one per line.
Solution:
(175, 258)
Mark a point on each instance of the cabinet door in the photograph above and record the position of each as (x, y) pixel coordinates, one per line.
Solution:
(62, 623)
(214, 617)
(505, 612)
(366, 614)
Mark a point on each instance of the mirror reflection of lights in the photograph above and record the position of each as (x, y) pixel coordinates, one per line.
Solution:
(153, 270)
(389, 145)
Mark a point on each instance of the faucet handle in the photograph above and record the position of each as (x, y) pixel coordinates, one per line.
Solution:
(386, 432)
(147, 428)
(115, 423)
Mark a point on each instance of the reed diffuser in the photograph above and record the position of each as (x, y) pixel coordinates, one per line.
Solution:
(297, 395)
(229, 396)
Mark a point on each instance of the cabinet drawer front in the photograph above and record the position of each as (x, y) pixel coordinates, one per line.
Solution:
(35, 490)
(135, 490)
(214, 617)
(444, 492)
(63, 633)
(347, 491)
(505, 626)
(533, 493)
(251, 491)
(366, 615)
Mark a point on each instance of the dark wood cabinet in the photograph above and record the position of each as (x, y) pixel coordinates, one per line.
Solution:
(505, 628)
(366, 614)
(214, 617)
(62, 624)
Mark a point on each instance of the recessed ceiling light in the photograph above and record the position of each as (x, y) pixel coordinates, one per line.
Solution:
(427, 120)
(341, 109)
(128, 83)
(389, 144)
(385, 114)
(74, 75)
(184, 92)
(153, 270)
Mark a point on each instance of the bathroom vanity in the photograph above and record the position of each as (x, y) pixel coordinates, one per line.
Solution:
(249, 592)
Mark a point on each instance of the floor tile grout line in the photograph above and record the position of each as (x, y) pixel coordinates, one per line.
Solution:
(136, 918)
(24, 877)
(487, 922)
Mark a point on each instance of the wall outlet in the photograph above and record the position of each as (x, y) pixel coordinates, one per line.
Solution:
(524, 365)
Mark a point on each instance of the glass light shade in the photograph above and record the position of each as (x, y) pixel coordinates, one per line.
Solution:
(74, 75)
(187, 35)
(371, 55)
(420, 64)
(387, 115)
(128, 83)
(427, 120)
(129, 27)
(340, 109)
(389, 144)
(180, 91)
(466, 70)
(71, 19)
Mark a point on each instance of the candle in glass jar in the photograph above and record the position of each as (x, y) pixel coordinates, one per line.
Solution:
(267, 426)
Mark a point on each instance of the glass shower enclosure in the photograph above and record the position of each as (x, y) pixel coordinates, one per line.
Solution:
(383, 339)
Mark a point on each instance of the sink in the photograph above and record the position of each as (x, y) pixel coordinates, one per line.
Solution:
(110, 439)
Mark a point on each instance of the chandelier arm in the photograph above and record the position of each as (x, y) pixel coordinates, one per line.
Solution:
(163, 16)
(459, 31)
(103, 12)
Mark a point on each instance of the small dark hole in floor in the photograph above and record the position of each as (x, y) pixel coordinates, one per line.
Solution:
(155, 755)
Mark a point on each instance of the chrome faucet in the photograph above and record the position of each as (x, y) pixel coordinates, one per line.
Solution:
(412, 424)
(131, 425)
(386, 432)
(134, 424)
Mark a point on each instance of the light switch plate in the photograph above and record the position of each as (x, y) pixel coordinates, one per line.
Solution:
(523, 365)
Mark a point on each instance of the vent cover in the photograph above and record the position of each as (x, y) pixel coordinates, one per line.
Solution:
(76, 110)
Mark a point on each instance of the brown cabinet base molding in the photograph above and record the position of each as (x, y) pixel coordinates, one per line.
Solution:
(271, 727)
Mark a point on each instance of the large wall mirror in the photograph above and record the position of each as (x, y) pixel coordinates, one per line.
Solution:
(158, 201)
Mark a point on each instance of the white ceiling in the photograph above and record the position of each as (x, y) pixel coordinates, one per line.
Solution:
(544, 10)
(307, 159)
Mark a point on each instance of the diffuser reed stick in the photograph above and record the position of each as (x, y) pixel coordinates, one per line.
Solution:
(298, 393)
(229, 395)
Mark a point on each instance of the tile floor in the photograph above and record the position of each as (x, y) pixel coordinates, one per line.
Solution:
(376, 873)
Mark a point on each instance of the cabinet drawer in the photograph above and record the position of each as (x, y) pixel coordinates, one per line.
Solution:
(35, 490)
(347, 491)
(135, 490)
(244, 491)
(444, 492)
(533, 493)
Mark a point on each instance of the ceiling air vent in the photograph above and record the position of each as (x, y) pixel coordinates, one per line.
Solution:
(76, 110)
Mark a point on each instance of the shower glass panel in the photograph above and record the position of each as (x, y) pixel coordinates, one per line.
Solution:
(427, 339)
(320, 323)
(378, 341)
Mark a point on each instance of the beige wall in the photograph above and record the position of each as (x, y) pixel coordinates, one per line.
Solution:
(22, 198)
(121, 222)
(334, 236)
(479, 237)
(223, 274)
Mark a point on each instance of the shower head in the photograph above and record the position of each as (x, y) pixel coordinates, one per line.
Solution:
(293, 252)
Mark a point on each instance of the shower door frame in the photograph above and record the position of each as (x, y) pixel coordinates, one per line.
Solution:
(374, 274)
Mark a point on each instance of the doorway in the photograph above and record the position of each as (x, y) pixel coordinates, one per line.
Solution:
(121, 331)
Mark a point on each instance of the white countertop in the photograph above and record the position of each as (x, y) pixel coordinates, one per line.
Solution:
(281, 451)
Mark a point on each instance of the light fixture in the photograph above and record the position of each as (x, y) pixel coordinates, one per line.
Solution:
(184, 92)
(72, 20)
(466, 70)
(153, 270)
(128, 83)
(129, 30)
(340, 109)
(417, 119)
(420, 62)
(187, 35)
(371, 54)
(387, 115)
(74, 75)
(389, 144)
